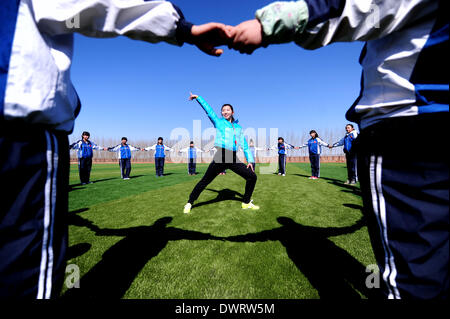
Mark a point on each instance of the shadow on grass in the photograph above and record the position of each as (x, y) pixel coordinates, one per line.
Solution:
(136, 176)
(347, 188)
(331, 270)
(222, 195)
(77, 250)
(112, 276)
(353, 206)
(75, 186)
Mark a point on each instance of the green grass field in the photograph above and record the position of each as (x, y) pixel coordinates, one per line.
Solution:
(130, 238)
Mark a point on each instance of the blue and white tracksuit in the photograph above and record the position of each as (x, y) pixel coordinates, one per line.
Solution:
(124, 155)
(282, 154)
(404, 88)
(37, 98)
(192, 158)
(159, 157)
(315, 149)
(85, 154)
(347, 141)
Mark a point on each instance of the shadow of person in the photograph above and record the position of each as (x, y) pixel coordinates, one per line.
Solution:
(222, 195)
(331, 270)
(112, 276)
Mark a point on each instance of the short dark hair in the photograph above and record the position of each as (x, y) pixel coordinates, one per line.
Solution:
(160, 138)
(313, 131)
(85, 133)
(280, 138)
(350, 125)
(192, 142)
(124, 138)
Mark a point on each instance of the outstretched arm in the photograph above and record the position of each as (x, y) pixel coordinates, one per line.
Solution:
(206, 107)
(313, 24)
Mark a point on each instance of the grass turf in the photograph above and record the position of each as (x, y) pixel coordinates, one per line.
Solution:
(130, 238)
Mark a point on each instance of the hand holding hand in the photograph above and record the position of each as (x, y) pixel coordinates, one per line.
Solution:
(247, 36)
(207, 36)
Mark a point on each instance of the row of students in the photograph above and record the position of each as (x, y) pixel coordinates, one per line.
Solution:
(85, 149)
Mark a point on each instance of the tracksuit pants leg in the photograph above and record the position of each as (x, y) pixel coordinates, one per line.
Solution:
(191, 166)
(315, 164)
(34, 178)
(351, 165)
(85, 166)
(125, 167)
(282, 163)
(159, 166)
(406, 201)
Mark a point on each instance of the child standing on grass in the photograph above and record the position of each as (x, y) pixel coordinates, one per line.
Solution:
(85, 153)
(229, 137)
(124, 153)
(314, 145)
(160, 156)
(192, 157)
(282, 148)
(350, 155)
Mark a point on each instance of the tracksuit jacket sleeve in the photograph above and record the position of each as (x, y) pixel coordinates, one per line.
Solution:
(167, 148)
(209, 111)
(340, 143)
(322, 142)
(75, 146)
(148, 148)
(134, 148)
(150, 21)
(114, 148)
(316, 23)
(96, 147)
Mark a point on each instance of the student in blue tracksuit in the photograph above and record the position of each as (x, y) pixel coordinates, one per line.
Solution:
(404, 91)
(282, 148)
(314, 145)
(85, 153)
(350, 155)
(38, 106)
(124, 153)
(192, 157)
(229, 138)
(160, 156)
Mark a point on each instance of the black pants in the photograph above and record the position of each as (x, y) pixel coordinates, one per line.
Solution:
(351, 165)
(125, 167)
(192, 166)
(159, 166)
(225, 159)
(84, 169)
(34, 178)
(406, 201)
(282, 163)
(315, 164)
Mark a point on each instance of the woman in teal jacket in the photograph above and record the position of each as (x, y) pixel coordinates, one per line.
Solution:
(229, 137)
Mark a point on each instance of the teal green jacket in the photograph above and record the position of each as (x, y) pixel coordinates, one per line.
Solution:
(228, 135)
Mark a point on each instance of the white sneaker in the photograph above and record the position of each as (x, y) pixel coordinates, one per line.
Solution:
(279, 173)
(283, 174)
(126, 178)
(187, 208)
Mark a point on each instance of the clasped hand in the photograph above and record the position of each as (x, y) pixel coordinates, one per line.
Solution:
(245, 37)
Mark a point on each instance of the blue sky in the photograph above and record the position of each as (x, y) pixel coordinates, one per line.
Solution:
(140, 90)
